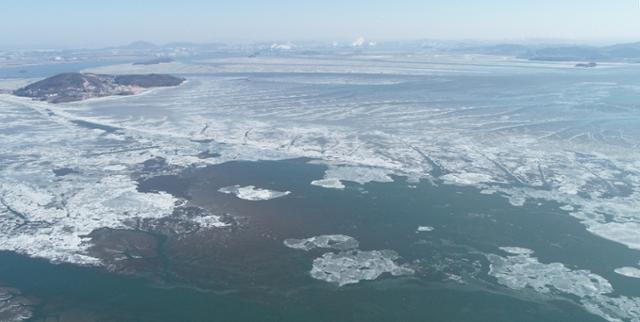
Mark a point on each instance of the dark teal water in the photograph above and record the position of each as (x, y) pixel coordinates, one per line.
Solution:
(246, 274)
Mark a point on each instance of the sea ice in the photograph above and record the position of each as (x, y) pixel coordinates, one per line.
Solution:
(359, 174)
(252, 193)
(210, 221)
(350, 267)
(614, 309)
(14, 307)
(338, 242)
(466, 179)
(633, 272)
(511, 146)
(517, 250)
(623, 233)
(329, 183)
(520, 270)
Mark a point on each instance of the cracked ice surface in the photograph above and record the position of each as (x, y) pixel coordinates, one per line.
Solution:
(252, 193)
(351, 267)
(466, 120)
(210, 221)
(49, 216)
(520, 270)
(338, 242)
(53, 226)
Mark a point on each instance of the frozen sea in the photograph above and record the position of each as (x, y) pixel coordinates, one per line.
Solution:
(351, 187)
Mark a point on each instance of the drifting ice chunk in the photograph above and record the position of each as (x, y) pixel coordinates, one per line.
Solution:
(328, 183)
(353, 266)
(517, 250)
(523, 271)
(252, 193)
(632, 272)
(339, 242)
(211, 221)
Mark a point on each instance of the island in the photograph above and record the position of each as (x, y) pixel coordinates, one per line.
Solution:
(70, 87)
(586, 65)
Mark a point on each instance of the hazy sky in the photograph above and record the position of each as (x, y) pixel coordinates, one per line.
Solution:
(67, 23)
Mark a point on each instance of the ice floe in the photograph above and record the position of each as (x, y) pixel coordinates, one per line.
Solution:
(520, 271)
(252, 193)
(350, 267)
(329, 183)
(210, 221)
(338, 242)
(633, 272)
(53, 228)
(50, 216)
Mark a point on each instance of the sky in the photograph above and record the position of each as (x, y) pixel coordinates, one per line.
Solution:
(75, 23)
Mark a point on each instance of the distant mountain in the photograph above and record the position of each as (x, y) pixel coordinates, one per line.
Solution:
(568, 53)
(140, 45)
(622, 52)
(499, 49)
(71, 87)
(629, 52)
(155, 61)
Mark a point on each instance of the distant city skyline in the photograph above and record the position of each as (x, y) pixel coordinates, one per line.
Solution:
(74, 23)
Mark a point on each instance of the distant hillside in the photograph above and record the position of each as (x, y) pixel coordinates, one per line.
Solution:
(629, 52)
(71, 87)
(140, 45)
(155, 61)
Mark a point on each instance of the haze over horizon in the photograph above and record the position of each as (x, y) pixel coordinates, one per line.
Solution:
(73, 23)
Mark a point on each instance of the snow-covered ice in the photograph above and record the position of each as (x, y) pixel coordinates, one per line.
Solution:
(252, 193)
(210, 221)
(520, 270)
(350, 267)
(332, 183)
(407, 117)
(633, 272)
(338, 242)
